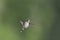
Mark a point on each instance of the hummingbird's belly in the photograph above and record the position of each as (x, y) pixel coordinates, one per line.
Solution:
(26, 25)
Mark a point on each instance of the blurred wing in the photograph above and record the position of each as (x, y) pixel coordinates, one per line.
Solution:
(21, 22)
(29, 20)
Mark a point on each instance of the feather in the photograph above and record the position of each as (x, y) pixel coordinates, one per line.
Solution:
(21, 22)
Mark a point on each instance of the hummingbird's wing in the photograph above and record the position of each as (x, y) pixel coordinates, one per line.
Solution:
(21, 22)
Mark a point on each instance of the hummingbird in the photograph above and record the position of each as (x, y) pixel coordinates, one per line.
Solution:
(25, 24)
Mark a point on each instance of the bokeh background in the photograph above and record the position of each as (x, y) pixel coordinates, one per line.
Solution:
(44, 15)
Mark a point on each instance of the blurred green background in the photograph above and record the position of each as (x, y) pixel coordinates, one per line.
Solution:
(44, 14)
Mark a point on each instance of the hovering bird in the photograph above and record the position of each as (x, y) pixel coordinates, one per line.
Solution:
(25, 24)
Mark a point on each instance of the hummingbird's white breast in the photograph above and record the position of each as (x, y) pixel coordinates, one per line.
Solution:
(26, 25)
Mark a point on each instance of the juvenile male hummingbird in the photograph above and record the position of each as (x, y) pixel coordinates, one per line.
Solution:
(25, 24)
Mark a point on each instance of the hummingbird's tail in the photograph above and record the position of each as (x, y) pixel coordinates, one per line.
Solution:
(22, 30)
